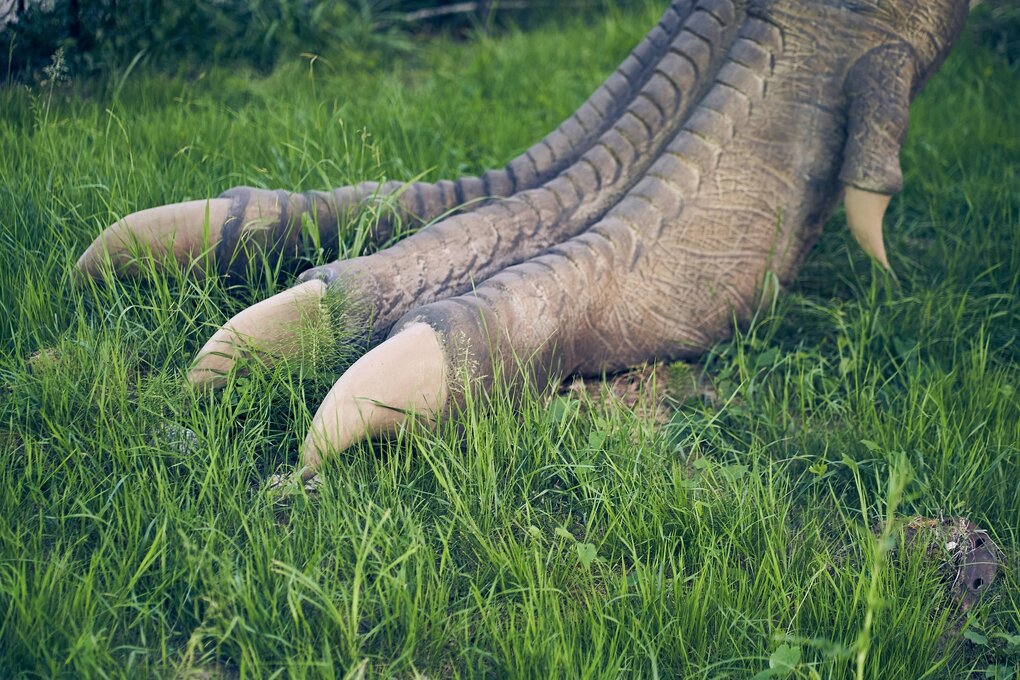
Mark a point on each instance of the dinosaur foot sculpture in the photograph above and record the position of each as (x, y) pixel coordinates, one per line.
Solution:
(642, 228)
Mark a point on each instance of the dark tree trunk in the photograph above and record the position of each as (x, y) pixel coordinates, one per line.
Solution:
(74, 8)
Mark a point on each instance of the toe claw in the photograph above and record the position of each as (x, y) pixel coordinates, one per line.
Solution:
(864, 213)
(182, 230)
(405, 375)
(271, 328)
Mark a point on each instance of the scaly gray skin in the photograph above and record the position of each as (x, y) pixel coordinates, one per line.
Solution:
(644, 225)
(724, 166)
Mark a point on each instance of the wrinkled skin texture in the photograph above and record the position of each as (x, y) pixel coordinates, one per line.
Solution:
(640, 229)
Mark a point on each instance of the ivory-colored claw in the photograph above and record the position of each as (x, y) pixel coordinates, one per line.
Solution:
(865, 211)
(272, 329)
(179, 230)
(403, 376)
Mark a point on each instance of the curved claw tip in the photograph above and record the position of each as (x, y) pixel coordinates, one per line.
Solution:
(83, 269)
(90, 264)
(271, 329)
(182, 230)
(405, 375)
(864, 214)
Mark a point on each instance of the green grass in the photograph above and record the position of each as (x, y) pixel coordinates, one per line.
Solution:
(538, 539)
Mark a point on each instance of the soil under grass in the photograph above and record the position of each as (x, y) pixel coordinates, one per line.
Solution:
(543, 538)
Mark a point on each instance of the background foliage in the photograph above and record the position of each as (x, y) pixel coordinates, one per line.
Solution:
(111, 35)
(997, 23)
(104, 35)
